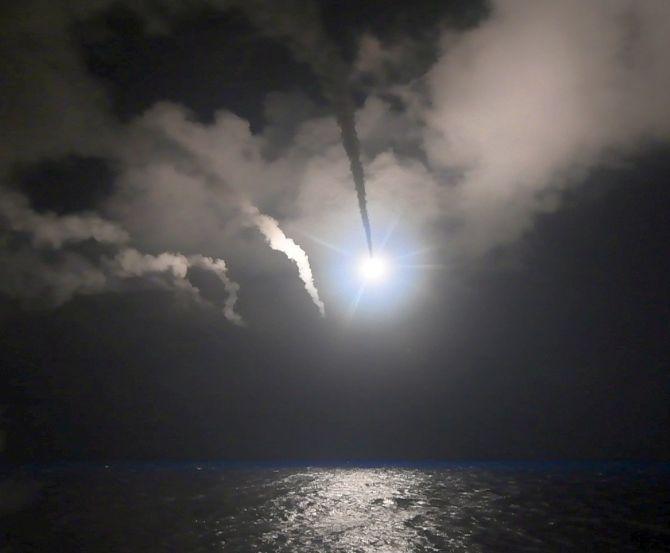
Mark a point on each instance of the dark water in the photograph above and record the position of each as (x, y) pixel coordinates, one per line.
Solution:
(450, 508)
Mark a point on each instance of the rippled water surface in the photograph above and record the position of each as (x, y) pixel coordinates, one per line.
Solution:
(451, 508)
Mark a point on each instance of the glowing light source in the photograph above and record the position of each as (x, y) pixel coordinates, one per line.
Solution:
(373, 269)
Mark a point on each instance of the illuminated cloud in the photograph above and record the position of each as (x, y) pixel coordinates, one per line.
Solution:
(535, 96)
(51, 230)
(57, 278)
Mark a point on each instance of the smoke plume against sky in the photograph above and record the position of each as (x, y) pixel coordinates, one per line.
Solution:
(298, 23)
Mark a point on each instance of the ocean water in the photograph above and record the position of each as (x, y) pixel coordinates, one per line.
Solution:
(477, 507)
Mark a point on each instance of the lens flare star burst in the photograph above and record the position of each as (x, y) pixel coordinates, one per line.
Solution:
(374, 269)
(374, 286)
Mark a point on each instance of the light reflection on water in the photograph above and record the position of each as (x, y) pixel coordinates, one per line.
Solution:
(353, 510)
(475, 508)
(412, 510)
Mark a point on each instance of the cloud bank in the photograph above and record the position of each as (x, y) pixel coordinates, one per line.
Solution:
(52, 230)
(536, 96)
(49, 271)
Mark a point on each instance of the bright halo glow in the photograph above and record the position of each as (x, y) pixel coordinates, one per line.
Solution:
(373, 269)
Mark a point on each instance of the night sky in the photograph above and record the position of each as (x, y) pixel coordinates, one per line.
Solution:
(176, 209)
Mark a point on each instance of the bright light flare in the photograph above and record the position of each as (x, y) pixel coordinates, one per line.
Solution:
(373, 269)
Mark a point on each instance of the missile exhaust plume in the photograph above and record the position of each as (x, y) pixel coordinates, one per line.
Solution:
(299, 23)
(278, 241)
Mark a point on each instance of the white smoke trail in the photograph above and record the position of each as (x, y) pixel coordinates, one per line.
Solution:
(132, 263)
(218, 267)
(278, 241)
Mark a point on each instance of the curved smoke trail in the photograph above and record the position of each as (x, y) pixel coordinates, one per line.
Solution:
(278, 241)
(299, 23)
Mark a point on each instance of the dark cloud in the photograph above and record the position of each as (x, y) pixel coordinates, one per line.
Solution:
(67, 185)
(140, 67)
